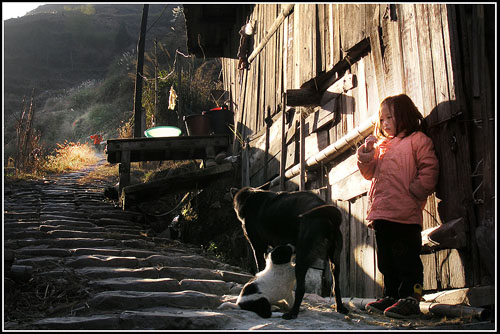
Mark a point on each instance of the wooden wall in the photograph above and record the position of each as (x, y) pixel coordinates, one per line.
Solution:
(417, 49)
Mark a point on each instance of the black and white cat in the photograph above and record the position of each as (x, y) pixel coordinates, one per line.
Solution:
(272, 287)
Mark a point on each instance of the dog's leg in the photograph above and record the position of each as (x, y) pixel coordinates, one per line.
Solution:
(300, 274)
(334, 255)
(260, 252)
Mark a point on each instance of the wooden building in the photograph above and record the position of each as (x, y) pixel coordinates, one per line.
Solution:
(310, 94)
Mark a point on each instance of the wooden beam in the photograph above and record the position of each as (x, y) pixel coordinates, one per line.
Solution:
(475, 296)
(302, 98)
(326, 79)
(166, 148)
(287, 9)
(344, 84)
(134, 194)
(450, 235)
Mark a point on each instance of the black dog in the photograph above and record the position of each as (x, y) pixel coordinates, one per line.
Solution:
(300, 218)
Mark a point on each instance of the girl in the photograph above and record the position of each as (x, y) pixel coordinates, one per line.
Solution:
(400, 160)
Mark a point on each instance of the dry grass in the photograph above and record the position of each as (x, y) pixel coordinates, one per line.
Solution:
(69, 157)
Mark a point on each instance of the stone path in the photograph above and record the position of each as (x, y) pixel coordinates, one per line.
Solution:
(97, 269)
(65, 233)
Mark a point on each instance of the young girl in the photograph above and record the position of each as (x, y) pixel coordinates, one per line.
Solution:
(400, 160)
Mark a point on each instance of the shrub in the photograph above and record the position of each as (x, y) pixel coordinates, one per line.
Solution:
(69, 156)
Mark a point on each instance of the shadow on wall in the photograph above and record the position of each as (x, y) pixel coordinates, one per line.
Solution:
(455, 139)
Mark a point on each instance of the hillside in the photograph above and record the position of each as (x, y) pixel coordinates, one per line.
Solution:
(57, 49)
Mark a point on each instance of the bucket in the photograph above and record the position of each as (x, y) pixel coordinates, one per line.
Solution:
(197, 125)
(162, 131)
(221, 120)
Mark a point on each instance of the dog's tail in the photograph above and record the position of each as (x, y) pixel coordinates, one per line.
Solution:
(327, 211)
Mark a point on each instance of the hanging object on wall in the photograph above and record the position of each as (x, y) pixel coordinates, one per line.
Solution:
(171, 99)
(246, 33)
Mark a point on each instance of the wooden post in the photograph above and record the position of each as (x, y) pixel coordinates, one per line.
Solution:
(302, 185)
(268, 122)
(155, 118)
(179, 89)
(124, 170)
(138, 114)
(283, 146)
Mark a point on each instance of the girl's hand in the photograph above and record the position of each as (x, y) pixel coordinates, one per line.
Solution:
(369, 142)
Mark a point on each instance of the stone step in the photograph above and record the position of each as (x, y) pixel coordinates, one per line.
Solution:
(20, 225)
(137, 284)
(117, 214)
(89, 235)
(178, 273)
(64, 213)
(112, 252)
(28, 215)
(134, 300)
(77, 227)
(114, 221)
(84, 261)
(193, 261)
(40, 261)
(63, 243)
(216, 287)
(165, 318)
(55, 252)
(66, 217)
(24, 234)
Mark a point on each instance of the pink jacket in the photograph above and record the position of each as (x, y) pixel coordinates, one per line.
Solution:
(404, 171)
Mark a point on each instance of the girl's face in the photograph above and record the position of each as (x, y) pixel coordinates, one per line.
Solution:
(387, 121)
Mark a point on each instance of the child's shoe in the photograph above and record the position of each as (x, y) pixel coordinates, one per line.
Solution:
(380, 305)
(405, 308)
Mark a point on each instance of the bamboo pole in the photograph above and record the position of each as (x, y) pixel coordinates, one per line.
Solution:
(333, 150)
(281, 17)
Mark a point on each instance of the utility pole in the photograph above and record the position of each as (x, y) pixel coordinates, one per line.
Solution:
(179, 91)
(155, 118)
(139, 116)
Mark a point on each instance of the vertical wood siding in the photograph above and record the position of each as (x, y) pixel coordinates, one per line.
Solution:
(415, 49)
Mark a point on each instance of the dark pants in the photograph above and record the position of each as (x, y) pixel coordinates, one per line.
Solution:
(398, 255)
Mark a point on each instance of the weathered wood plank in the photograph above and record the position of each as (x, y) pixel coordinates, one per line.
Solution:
(131, 195)
(169, 148)
(352, 16)
(439, 52)
(323, 117)
(475, 296)
(346, 181)
(315, 142)
(376, 56)
(392, 57)
(363, 263)
(425, 57)
(411, 61)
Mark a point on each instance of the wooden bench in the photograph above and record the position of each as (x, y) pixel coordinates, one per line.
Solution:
(125, 151)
